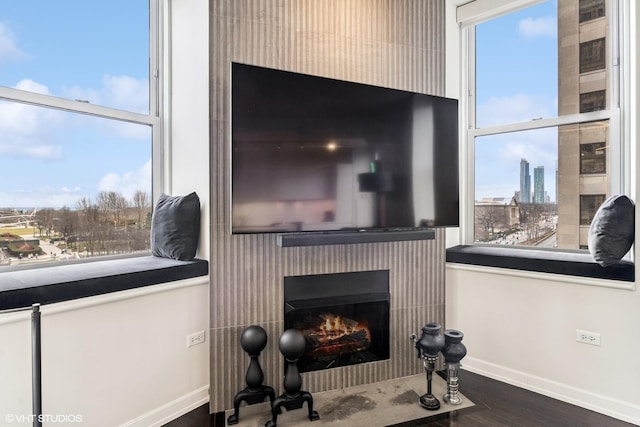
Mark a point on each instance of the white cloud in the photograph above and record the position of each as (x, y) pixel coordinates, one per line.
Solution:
(516, 108)
(44, 197)
(127, 92)
(123, 92)
(70, 190)
(31, 86)
(26, 130)
(538, 27)
(129, 182)
(9, 49)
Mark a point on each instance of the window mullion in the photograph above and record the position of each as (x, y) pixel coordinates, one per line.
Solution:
(467, 171)
(69, 105)
(544, 123)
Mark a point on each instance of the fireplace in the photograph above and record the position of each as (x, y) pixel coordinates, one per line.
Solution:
(344, 317)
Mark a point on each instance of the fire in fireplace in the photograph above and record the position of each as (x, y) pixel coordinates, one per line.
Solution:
(335, 335)
(344, 317)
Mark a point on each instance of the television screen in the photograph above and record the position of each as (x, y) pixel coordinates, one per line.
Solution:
(317, 154)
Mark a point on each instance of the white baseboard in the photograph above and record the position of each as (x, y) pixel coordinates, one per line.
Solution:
(621, 410)
(172, 410)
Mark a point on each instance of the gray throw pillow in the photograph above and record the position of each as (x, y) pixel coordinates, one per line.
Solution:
(612, 229)
(175, 227)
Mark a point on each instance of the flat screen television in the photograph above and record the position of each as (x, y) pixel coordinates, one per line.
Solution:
(313, 154)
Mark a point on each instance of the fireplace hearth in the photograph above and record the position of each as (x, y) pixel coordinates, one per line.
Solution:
(344, 317)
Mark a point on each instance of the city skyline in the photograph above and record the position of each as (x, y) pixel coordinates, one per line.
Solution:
(525, 194)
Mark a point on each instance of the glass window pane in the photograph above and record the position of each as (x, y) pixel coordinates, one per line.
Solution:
(592, 55)
(591, 9)
(539, 187)
(589, 204)
(85, 50)
(546, 65)
(519, 81)
(593, 158)
(73, 185)
(593, 101)
(515, 179)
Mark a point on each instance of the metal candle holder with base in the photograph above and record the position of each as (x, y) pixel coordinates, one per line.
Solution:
(253, 341)
(428, 346)
(453, 352)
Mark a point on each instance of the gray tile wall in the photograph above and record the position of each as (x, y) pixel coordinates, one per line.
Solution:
(392, 43)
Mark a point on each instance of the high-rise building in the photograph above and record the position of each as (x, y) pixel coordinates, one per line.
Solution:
(538, 185)
(525, 182)
(583, 70)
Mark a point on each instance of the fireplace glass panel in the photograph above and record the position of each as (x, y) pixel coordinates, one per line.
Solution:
(344, 318)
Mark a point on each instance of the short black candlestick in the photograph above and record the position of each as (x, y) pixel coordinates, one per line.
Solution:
(292, 345)
(253, 341)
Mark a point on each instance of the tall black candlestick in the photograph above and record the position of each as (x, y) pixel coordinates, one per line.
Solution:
(253, 341)
(292, 345)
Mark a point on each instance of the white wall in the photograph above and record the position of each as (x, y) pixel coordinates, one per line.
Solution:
(119, 359)
(187, 90)
(523, 329)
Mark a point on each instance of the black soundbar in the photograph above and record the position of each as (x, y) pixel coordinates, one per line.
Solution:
(349, 237)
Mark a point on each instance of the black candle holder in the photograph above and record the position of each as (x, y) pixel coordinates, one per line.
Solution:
(453, 352)
(253, 341)
(292, 345)
(428, 346)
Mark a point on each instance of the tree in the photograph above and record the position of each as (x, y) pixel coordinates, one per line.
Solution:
(68, 222)
(45, 220)
(89, 222)
(112, 205)
(141, 206)
(488, 217)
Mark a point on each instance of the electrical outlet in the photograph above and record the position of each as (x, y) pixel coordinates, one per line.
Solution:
(586, 337)
(195, 338)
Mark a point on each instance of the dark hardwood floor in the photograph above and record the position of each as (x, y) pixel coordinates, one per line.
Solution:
(496, 405)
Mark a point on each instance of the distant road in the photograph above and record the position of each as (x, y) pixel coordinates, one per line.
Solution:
(549, 242)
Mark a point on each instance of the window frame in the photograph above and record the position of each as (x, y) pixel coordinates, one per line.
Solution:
(468, 15)
(153, 119)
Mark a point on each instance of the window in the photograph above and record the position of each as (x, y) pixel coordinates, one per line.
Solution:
(592, 55)
(593, 101)
(79, 118)
(544, 131)
(593, 158)
(591, 9)
(589, 204)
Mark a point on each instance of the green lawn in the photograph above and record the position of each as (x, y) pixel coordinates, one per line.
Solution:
(19, 231)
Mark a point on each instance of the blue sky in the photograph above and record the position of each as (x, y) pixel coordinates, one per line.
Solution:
(517, 80)
(78, 50)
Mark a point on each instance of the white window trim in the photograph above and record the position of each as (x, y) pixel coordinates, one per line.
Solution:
(472, 13)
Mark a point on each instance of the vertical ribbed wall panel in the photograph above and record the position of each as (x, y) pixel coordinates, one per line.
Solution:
(392, 43)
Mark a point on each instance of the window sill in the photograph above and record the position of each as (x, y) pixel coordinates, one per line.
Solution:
(576, 264)
(24, 288)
